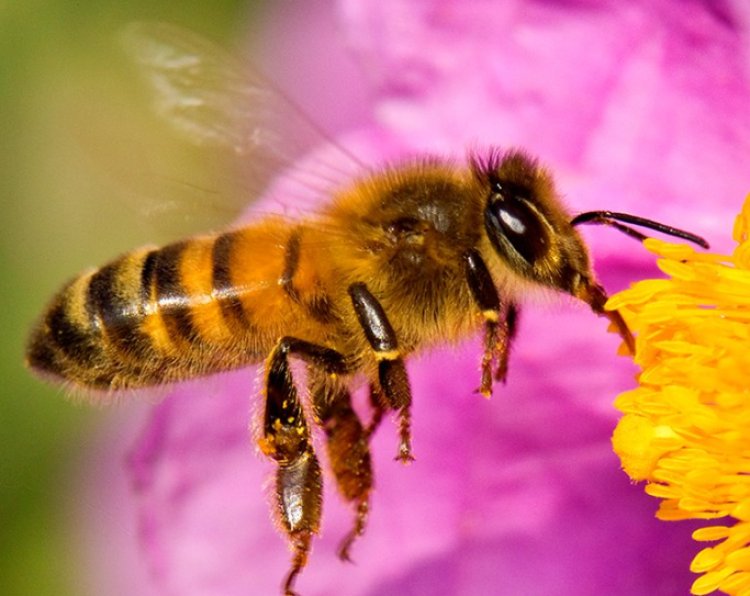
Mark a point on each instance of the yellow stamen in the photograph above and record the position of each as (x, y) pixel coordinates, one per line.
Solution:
(686, 427)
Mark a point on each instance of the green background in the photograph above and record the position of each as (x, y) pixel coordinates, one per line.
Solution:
(62, 85)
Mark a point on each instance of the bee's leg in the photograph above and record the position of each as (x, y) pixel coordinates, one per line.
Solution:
(379, 407)
(392, 377)
(499, 323)
(348, 449)
(286, 439)
(596, 297)
(506, 340)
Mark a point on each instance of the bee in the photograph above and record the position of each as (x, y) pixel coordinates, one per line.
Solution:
(400, 259)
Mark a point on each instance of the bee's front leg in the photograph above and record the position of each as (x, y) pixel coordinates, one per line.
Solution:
(286, 439)
(392, 376)
(500, 321)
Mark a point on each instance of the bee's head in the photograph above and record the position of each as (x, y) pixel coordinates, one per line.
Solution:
(526, 223)
(532, 233)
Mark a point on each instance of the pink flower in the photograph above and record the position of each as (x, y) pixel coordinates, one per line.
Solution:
(639, 107)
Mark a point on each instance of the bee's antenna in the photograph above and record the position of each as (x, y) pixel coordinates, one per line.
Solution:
(612, 218)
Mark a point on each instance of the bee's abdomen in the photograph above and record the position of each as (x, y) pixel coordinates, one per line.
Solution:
(154, 316)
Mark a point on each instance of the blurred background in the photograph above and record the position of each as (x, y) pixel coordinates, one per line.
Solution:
(74, 150)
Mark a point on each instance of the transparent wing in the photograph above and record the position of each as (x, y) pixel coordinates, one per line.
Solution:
(213, 98)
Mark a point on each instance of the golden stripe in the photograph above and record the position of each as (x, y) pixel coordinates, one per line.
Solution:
(387, 355)
(491, 315)
(196, 277)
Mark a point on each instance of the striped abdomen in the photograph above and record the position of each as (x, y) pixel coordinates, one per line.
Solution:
(152, 316)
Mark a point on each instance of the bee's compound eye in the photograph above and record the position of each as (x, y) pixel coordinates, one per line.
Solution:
(512, 219)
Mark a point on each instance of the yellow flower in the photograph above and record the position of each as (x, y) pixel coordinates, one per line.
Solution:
(686, 427)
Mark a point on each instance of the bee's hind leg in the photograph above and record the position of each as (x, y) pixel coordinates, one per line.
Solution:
(348, 449)
(286, 439)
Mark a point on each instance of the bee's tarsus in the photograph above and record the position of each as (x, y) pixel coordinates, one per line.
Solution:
(405, 454)
(301, 550)
(362, 511)
(596, 297)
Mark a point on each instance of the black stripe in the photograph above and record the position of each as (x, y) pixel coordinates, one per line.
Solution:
(171, 298)
(224, 289)
(44, 354)
(318, 304)
(291, 261)
(120, 315)
(80, 343)
(320, 307)
(103, 302)
(147, 275)
(41, 354)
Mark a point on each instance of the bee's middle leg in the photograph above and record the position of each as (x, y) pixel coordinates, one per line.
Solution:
(286, 439)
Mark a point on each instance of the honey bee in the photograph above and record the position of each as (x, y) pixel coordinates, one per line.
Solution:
(401, 258)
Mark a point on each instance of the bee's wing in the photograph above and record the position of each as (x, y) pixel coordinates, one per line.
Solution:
(215, 99)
